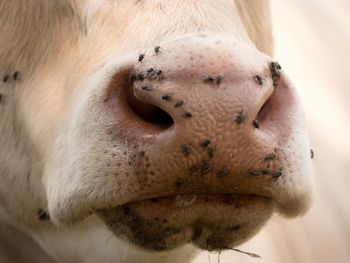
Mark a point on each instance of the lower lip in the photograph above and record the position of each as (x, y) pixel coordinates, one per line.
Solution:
(211, 222)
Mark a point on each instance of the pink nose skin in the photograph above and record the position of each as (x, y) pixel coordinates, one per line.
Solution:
(205, 119)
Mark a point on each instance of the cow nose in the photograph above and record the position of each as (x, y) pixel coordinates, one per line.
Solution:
(205, 120)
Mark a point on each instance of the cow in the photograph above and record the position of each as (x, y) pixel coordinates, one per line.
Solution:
(143, 130)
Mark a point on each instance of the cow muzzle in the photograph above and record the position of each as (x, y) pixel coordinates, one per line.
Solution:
(201, 141)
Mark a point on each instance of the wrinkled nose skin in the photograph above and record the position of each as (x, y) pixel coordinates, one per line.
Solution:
(208, 122)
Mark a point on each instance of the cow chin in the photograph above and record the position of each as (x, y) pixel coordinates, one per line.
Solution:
(210, 222)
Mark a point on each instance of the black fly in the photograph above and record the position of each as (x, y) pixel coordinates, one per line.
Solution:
(141, 57)
(258, 80)
(157, 49)
(240, 118)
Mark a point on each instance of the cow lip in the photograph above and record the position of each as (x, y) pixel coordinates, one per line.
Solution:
(201, 222)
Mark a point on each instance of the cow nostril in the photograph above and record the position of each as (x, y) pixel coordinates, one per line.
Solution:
(262, 114)
(275, 112)
(149, 112)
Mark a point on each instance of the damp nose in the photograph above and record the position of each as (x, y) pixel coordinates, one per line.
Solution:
(197, 115)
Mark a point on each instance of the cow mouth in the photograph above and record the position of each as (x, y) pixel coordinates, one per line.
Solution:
(210, 222)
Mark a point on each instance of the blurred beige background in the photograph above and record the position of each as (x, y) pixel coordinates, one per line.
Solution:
(312, 43)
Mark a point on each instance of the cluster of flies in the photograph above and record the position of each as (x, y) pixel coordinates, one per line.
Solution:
(157, 74)
(204, 167)
(274, 174)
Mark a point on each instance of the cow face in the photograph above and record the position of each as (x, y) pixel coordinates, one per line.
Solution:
(162, 118)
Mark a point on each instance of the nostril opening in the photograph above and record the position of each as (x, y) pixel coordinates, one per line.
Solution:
(265, 109)
(276, 112)
(149, 112)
